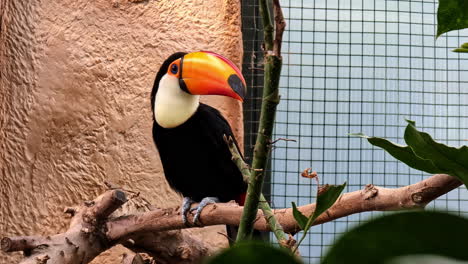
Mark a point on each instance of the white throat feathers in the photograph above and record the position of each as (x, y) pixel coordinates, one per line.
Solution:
(172, 106)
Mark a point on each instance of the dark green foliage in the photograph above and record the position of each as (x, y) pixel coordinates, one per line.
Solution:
(325, 199)
(300, 218)
(463, 48)
(409, 233)
(451, 15)
(425, 154)
(254, 252)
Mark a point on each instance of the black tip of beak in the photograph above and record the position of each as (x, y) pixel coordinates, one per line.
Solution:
(237, 85)
(183, 86)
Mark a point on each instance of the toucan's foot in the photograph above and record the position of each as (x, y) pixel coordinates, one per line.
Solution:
(185, 209)
(204, 202)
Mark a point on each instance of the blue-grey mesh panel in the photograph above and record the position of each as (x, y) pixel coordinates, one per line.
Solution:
(361, 66)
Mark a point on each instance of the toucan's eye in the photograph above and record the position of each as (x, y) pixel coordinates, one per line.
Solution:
(174, 68)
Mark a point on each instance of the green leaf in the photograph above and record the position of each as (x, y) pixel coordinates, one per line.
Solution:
(402, 153)
(409, 233)
(451, 15)
(463, 48)
(460, 50)
(425, 154)
(449, 160)
(325, 200)
(326, 197)
(253, 252)
(300, 218)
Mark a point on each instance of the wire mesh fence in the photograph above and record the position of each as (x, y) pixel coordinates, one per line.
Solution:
(355, 66)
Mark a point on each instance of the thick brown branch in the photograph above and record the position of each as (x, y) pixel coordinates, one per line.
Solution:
(371, 198)
(150, 231)
(85, 239)
(81, 243)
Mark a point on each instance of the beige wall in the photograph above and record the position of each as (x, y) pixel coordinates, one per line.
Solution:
(75, 79)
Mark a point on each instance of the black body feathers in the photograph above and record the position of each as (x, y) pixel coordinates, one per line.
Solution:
(196, 160)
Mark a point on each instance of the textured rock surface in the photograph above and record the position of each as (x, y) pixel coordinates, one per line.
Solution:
(75, 79)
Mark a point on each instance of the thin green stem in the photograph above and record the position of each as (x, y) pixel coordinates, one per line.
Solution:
(267, 25)
(272, 71)
(275, 227)
(262, 146)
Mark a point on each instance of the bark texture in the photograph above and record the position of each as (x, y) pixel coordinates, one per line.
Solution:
(75, 80)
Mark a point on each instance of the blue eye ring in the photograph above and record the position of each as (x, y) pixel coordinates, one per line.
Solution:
(174, 68)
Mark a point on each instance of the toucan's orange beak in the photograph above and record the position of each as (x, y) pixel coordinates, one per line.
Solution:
(207, 73)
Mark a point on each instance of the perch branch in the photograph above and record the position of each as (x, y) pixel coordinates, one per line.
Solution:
(152, 231)
(371, 198)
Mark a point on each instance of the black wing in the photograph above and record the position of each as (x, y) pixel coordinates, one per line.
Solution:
(196, 160)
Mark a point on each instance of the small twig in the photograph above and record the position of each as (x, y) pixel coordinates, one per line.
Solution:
(257, 69)
(22, 243)
(112, 186)
(110, 202)
(282, 139)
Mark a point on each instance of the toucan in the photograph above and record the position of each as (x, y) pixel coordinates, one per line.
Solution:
(188, 134)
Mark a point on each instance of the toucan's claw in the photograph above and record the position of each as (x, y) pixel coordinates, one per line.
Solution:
(204, 202)
(185, 209)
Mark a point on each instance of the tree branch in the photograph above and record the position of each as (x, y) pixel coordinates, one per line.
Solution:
(371, 198)
(86, 238)
(150, 231)
(276, 228)
(22, 243)
(270, 100)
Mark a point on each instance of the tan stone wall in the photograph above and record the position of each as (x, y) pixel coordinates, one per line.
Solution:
(75, 80)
